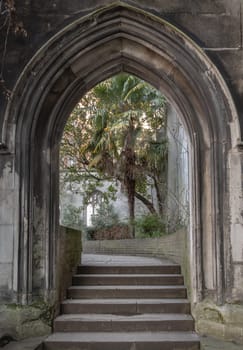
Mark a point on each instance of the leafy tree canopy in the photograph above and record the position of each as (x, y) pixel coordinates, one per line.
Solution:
(117, 132)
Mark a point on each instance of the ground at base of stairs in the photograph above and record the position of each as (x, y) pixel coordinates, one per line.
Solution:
(207, 343)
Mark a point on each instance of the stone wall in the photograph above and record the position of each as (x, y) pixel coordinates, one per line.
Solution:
(8, 242)
(171, 246)
(69, 258)
(59, 66)
(214, 25)
(220, 321)
(23, 321)
(222, 42)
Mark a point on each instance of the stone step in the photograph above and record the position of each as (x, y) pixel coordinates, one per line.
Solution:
(120, 323)
(109, 269)
(99, 292)
(123, 341)
(118, 307)
(125, 306)
(125, 279)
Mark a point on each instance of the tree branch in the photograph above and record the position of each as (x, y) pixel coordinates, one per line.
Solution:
(146, 202)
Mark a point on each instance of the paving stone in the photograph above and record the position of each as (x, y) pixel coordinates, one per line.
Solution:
(26, 344)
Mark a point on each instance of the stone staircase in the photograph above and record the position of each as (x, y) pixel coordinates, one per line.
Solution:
(125, 308)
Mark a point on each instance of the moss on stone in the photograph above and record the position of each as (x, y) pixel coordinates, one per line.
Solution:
(212, 314)
(224, 322)
(23, 321)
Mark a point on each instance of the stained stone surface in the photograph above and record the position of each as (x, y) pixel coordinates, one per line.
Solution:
(26, 193)
(206, 344)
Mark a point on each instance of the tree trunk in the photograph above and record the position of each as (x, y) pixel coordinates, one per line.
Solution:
(131, 205)
(129, 175)
(159, 196)
(147, 203)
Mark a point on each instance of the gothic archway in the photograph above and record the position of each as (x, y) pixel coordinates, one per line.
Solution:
(93, 48)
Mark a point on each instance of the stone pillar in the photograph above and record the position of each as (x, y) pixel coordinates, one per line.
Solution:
(8, 243)
(236, 221)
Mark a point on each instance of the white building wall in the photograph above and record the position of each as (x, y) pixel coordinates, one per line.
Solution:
(75, 196)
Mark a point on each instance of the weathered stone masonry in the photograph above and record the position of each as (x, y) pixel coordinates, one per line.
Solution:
(193, 52)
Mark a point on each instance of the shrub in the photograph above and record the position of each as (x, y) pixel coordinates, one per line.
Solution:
(150, 226)
(105, 217)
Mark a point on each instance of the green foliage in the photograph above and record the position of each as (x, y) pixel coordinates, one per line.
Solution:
(71, 217)
(105, 217)
(93, 186)
(117, 133)
(150, 226)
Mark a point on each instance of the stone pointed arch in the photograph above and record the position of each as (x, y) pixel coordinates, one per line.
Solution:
(111, 40)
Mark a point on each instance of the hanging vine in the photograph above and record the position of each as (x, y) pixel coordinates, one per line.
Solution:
(8, 24)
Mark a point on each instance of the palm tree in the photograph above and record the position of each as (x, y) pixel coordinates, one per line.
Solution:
(128, 114)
